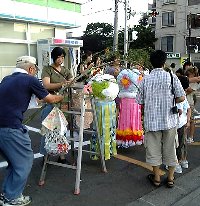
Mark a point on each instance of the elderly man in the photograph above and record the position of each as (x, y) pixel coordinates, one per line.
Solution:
(15, 144)
(158, 92)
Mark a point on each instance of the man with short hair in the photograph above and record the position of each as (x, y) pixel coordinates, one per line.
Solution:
(15, 144)
(173, 67)
(160, 119)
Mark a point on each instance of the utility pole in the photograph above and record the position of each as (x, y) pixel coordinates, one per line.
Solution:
(115, 40)
(125, 31)
(189, 36)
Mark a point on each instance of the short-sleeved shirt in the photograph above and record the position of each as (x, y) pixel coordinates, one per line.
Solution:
(155, 93)
(190, 97)
(15, 94)
(184, 106)
(54, 76)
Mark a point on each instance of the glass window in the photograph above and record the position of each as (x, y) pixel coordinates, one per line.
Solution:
(41, 32)
(193, 44)
(195, 21)
(12, 30)
(168, 19)
(167, 44)
(193, 2)
(33, 50)
(9, 53)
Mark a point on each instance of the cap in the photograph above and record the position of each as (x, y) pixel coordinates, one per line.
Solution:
(27, 59)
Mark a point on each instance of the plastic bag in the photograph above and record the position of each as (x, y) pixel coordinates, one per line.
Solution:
(55, 130)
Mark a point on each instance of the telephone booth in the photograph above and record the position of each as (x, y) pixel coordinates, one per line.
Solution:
(71, 47)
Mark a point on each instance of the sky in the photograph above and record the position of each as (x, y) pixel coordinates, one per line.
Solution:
(103, 11)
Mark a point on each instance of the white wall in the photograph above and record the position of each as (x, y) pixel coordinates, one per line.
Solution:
(4, 71)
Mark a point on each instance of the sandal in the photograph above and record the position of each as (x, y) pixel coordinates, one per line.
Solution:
(154, 182)
(170, 183)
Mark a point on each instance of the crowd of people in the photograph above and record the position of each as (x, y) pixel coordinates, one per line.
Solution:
(156, 108)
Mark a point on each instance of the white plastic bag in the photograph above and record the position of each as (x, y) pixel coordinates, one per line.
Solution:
(55, 130)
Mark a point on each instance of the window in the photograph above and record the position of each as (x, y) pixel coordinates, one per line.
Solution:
(18, 39)
(169, 1)
(41, 31)
(168, 19)
(195, 21)
(167, 43)
(193, 44)
(193, 2)
(13, 30)
(9, 53)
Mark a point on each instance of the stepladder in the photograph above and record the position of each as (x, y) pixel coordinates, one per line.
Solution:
(76, 144)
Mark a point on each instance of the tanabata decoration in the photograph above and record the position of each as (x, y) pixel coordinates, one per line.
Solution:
(129, 131)
(105, 89)
(55, 129)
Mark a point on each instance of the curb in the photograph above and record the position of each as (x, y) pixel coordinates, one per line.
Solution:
(186, 189)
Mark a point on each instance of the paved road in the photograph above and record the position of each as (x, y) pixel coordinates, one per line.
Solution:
(124, 184)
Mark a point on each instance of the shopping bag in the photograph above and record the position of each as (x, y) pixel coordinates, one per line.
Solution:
(55, 130)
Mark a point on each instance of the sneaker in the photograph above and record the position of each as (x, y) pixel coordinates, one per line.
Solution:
(184, 164)
(196, 112)
(178, 169)
(21, 201)
(190, 140)
(1, 199)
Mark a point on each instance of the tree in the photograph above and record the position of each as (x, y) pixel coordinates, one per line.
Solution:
(98, 37)
(139, 57)
(140, 49)
(145, 35)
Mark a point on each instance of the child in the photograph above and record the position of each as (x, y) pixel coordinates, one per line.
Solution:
(184, 123)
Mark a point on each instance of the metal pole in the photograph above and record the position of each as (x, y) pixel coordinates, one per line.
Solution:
(125, 32)
(189, 38)
(115, 40)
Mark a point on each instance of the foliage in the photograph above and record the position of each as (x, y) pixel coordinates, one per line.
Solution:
(139, 57)
(145, 35)
(98, 37)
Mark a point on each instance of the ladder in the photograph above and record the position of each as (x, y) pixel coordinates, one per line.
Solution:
(77, 111)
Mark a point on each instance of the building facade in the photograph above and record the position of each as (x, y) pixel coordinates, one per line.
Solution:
(23, 22)
(177, 29)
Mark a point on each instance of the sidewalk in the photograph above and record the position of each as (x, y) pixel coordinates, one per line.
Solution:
(185, 192)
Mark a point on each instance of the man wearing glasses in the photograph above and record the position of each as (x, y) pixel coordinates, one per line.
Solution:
(15, 144)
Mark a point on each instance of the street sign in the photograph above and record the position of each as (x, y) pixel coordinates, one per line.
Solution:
(173, 56)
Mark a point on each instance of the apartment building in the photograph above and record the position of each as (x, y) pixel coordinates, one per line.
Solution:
(23, 22)
(177, 28)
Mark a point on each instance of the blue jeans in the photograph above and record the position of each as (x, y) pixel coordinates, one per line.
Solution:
(15, 144)
(44, 114)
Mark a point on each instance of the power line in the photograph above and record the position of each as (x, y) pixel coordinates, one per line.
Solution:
(86, 2)
(97, 12)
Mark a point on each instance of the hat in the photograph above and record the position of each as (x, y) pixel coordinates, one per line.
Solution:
(27, 59)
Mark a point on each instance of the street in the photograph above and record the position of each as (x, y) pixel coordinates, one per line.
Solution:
(124, 182)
